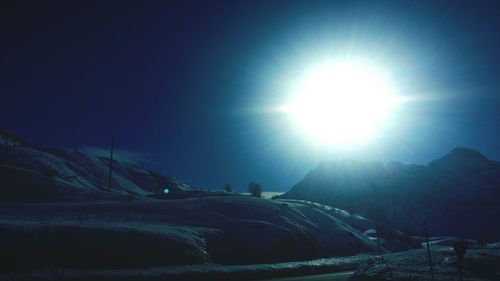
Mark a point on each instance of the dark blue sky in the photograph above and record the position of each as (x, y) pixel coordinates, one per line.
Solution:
(188, 85)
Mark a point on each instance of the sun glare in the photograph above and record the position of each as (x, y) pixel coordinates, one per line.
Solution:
(342, 103)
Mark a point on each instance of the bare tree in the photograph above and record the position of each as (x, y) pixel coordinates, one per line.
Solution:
(227, 188)
(255, 189)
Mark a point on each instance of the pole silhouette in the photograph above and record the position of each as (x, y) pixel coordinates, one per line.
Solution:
(429, 256)
(111, 162)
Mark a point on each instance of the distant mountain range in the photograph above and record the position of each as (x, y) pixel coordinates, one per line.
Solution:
(35, 174)
(74, 210)
(457, 194)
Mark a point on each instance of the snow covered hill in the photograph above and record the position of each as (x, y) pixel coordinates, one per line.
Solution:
(68, 219)
(456, 194)
(150, 232)
(33, 173)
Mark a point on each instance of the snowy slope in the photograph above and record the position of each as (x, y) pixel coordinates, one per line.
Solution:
(38, 168)
(478, 264)
(77, 223)
(389, 238)
(456, 194)
(149, 232)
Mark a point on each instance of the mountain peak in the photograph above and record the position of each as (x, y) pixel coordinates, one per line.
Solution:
(463, 159)
(465, 152)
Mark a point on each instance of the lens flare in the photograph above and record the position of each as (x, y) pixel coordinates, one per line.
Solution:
(342, 103)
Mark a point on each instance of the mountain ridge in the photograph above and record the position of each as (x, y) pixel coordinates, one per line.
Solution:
(33, 173)
(454, 194)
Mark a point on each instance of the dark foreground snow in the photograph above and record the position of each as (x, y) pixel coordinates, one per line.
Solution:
(197, 272)
(147, 233)
(479, 264)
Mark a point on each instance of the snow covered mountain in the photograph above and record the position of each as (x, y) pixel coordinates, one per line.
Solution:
(457, 194)
(34, 173)
(72, 218)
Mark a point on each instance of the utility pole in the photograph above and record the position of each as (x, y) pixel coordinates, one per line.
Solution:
(111, 162)
(378, 231)
(429, 256)
(378, 241)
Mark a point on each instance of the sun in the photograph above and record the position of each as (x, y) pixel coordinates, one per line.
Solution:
(342, 102)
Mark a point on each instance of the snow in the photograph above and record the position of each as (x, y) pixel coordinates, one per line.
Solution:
(456, 194)
(58, 222)
(198, 272)
(266, 194)
(72, 172)
(270, 194)
(391, 239)
(150, 232)
(478, 264)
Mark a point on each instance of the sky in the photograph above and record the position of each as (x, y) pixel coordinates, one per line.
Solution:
(192, 87)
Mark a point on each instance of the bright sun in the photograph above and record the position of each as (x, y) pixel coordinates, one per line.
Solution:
(342, 103)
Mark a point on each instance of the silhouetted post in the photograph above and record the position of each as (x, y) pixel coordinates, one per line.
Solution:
(111, 162)
(460, 247)
(429, 256)
(377, 230)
